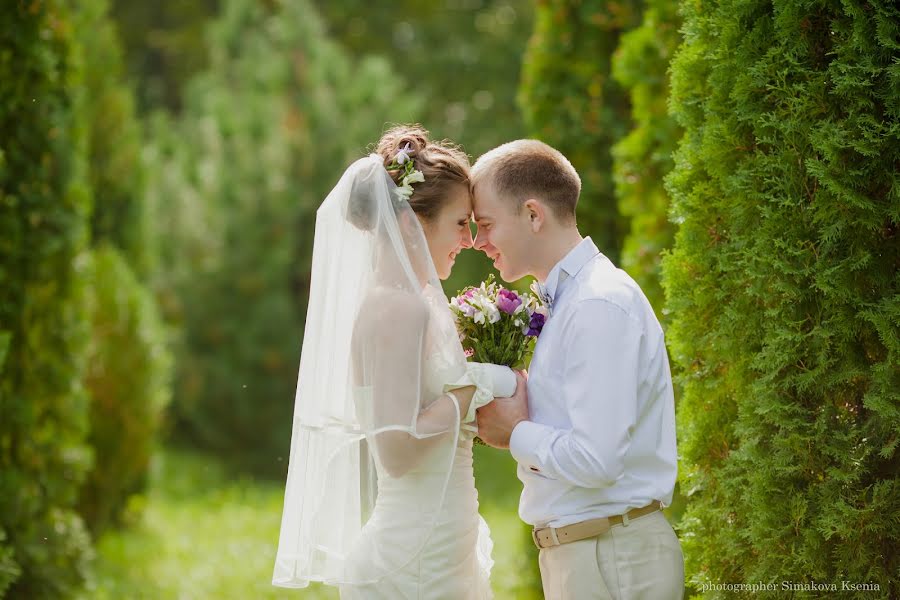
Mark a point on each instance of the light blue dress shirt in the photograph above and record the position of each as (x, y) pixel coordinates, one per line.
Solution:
(601, 434)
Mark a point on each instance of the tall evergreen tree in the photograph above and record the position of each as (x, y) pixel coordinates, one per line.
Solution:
(264, 134)
(784, 290)
(44, 210)
(571, 101)
(128, 364)
(114, 140)
(643, 157)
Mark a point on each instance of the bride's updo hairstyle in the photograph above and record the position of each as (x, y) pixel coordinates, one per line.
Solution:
(443, 164)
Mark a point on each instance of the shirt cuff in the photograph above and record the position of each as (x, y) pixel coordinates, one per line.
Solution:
(525, 442)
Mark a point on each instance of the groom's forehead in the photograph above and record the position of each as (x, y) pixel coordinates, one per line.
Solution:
(489, 209)
(484, 204)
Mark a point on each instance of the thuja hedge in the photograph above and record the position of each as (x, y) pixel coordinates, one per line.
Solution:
(784, 291)
(127, 377)
(44, 212)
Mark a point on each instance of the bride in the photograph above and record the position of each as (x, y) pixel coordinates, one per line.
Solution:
(380, 497)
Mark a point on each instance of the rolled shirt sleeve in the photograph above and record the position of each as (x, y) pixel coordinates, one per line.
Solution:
(599, 390)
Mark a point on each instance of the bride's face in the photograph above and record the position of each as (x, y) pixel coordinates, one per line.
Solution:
(449, 232)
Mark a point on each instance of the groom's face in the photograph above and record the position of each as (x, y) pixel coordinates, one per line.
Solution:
(503, 234)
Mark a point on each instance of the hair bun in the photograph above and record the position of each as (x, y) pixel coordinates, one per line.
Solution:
(397, 137)
(442, 163)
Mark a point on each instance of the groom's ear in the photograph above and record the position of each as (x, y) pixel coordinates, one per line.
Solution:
(536, 213)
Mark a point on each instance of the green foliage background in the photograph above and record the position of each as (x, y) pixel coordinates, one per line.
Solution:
(643, 156)
(274, 121)
(571, 101)
(160, 168)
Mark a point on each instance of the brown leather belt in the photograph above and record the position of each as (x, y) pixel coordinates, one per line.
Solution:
(546, 537)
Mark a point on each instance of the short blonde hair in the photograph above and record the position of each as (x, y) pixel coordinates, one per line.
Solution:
(525, 169)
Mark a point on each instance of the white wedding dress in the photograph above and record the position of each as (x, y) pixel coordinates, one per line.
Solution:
(380, 497)
(455, 562)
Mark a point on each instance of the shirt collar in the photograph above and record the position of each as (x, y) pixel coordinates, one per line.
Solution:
(570, 265)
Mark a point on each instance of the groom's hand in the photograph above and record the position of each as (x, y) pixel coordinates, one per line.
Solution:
(497, 420)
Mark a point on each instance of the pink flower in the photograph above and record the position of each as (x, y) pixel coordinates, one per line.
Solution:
(508, 301)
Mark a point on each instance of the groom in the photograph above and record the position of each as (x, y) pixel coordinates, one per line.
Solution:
(593, 427)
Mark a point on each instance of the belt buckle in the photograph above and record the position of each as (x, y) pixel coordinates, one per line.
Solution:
(554, 540)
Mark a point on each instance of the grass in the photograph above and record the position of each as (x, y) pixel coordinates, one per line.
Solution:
(204, 534)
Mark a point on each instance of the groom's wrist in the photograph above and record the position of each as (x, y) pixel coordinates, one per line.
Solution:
(525, 441)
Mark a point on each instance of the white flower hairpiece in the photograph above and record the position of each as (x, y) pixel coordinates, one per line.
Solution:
(410, 174)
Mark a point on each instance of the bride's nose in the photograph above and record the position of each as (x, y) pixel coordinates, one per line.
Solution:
(466, 240)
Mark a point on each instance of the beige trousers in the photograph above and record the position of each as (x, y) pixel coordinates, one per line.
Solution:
(638, 561)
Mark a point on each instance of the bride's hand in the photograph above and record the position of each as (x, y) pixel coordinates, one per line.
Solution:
(502, 378)
(497, 420)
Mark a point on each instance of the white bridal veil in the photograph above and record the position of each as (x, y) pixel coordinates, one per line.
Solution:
(369, 410)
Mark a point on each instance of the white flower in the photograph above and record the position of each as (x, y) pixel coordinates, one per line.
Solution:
(414, 177)
(518, 323)
(403, 192)
(493, 313)
(479, 317)
(403, 154)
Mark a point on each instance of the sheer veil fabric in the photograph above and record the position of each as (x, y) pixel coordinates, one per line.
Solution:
(379, 349)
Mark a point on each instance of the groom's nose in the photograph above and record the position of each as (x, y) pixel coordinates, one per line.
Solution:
(480, 240)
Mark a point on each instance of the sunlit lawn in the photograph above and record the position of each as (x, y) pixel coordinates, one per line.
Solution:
(205, 535)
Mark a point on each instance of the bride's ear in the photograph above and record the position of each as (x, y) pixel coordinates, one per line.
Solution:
(536, 213)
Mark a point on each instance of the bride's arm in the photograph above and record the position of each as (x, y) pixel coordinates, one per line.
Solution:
(397, 387)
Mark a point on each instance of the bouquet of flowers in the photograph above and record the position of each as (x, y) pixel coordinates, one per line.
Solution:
(497, 325)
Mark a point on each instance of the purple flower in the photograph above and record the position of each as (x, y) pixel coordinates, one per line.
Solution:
(536, 325)
(469, 293)
(508, 301)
